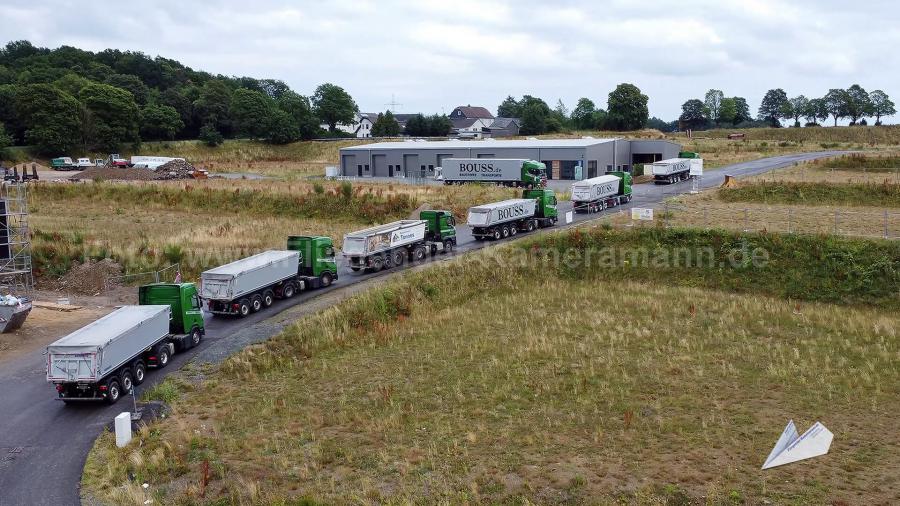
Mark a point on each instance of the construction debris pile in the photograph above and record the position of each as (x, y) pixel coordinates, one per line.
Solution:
(89, 278)
(176, 169)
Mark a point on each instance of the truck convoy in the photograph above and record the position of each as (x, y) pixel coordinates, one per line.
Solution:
(106, 358)
(502, 171)
(392, 244)
(536, 208)
(598, 193)
(250, 284)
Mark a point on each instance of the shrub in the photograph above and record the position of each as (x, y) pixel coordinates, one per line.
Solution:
(210, 136)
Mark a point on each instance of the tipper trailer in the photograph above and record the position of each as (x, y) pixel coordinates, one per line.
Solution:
(250, 284)
(598, 193)
(536, 208)
(671, 171)
(108, 357)
(502, 171)
(392, 244)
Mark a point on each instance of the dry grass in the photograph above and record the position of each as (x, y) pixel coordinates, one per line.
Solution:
(467, 383)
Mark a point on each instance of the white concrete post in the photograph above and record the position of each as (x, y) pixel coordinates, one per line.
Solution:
(123, 429)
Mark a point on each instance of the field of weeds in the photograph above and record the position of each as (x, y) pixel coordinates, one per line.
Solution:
(486, 381)
(812, 194)
(201, 224)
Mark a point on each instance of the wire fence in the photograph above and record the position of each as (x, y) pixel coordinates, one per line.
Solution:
(880, 224)
(167, 274)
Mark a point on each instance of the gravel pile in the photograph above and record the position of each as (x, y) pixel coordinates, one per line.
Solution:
(89, 278)
(176, 169)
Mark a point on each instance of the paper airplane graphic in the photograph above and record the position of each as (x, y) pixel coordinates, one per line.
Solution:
(792, 447)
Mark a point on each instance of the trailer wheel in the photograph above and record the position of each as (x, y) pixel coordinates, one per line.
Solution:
(496, 234)
(113, 391)
(243, 307)
(162, 356)
(399, 258)
(377, 264)
(256, 303)
(196, 337)
(505, 231)
(127, 380)
(513, 230)
(288, 291)
(419, 253)
(268, 298)
(140, 372)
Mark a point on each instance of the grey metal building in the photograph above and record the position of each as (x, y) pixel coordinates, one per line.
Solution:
(419, 158)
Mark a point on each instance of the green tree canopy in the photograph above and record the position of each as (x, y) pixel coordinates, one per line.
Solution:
(534, 115)
(160, 122)
(627, 108)
(509, 108)
(583, 114)
(386, 126)
(333, 105)
(728, 110)
(881, 105)
(771, 110)
(213, 105)
(281, 128)
(797, 108)
(836, 103)
(300, 111)
(250, 111)
(112, 117)
(131, 83)
(743, 110)
(693, 115)
(51, 118)
(859, 105)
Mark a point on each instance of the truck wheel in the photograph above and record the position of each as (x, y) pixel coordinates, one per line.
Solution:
(162, 357)
(268, 298)
(448, 246)
(377, 264)
(513, 230)
(399, 258)
(256, 303)
(196, 337)
(505, 231)
(113, 391)
(326, 278)
(243, 307)
(496, 234)
(127, 380)
(419, 253)
(288, 291)
(530, 226)
(140, 372)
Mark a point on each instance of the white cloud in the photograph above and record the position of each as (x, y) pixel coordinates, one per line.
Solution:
(435, 54)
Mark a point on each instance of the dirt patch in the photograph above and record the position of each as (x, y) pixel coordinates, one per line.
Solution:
(89, 278)
(114, 173)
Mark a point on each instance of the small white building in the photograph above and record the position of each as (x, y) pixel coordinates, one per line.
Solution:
(361, 126)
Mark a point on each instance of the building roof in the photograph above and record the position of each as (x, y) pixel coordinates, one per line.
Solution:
(488, 144)
(463, 122)
(473, 112)
(504, 122)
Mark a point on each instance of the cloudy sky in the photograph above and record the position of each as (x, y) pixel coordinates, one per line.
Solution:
(432, 55)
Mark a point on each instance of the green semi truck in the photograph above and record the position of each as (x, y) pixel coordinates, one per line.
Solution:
(108, 357)
(392, 244)
(598, 193)
(250, 284)
(536, 209)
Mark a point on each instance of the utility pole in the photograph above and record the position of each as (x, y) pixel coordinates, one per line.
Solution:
(392, 105)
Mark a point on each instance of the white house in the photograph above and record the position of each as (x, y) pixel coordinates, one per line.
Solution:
(361, 126)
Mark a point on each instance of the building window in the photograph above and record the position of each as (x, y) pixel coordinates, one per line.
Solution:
(367, 167)
(609, 168)
(431, 168)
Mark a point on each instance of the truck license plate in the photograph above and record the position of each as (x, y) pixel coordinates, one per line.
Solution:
(83, 387)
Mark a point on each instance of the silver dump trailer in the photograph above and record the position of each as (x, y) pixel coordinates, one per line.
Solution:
(519, 172)
(670, 171)
(589, 195)
(386, 245)
(506, 218)
(250, 284)
(104, 359)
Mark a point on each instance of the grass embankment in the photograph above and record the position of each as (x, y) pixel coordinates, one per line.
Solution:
(812, 194)
(146, 226)
(489, 380)
(887, 135)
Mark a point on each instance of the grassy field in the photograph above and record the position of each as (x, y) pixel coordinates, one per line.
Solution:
(148, 225)
(489, 381)
(812, 194)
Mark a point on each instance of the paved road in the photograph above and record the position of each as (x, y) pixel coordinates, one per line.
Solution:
(44, 443)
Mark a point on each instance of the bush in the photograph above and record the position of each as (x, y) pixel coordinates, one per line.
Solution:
(210, 136)
(347, 189)
(318, 188)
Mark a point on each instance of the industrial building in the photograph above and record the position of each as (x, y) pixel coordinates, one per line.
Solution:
(562, 156)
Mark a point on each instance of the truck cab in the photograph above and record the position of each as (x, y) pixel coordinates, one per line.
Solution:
(316, 257)
(546, 203)
(625, 186)
(534, 174)
(186, 315)
(440, 228)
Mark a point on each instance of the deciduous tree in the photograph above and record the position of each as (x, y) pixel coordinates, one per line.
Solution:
(693, 114)
(250, 111)
(583, 114)
(858, 103)
(160, 122)
(713, 103)
(333, 105)
(836, 103)
(112, 117)
(773, 106)
(881, 105)
(386, 125)
(51, 118)
(627, 108)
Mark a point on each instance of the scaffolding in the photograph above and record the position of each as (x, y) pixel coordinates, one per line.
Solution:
(15, 240)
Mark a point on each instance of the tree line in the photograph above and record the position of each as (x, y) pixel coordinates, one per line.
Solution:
(70, 99)
(853, 103)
